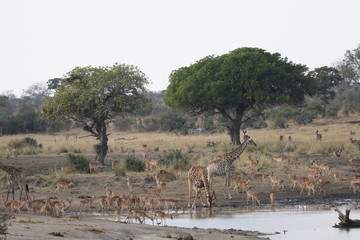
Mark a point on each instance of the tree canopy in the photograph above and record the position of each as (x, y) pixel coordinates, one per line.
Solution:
(328, 78)
(238, 85)
(94, 96)
(350, 66)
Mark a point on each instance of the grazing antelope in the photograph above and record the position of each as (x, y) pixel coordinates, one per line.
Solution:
(64, 185)
(140, 215)
(162, 216)
(281, 137)
(93, 166)
(253, 197)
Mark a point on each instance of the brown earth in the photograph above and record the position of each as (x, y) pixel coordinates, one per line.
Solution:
(85, 226)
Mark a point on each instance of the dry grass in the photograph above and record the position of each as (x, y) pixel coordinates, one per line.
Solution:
(303, 141)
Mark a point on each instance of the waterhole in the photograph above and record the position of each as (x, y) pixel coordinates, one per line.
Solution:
(281, 223)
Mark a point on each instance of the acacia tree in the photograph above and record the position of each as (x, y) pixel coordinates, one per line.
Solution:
(328, 78)
(238, 85)
(95, 96)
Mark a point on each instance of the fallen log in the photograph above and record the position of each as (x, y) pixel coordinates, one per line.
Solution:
(345, 221)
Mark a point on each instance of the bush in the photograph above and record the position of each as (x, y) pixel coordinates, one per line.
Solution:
(78, 163)
(120, 170)
(133, 164)
(174, 159)
(25, 142)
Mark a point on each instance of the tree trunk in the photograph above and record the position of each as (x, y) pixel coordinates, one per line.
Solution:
(102, 147)
(234, 132)
(345, 221)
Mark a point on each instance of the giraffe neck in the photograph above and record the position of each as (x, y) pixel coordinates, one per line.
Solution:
(232, 156)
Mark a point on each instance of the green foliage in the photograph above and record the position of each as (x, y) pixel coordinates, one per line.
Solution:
(78, 163)
(133, 164)
(174, 159)
(25, 146)
(244, 80)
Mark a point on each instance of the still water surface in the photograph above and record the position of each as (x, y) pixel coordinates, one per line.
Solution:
(293, 223)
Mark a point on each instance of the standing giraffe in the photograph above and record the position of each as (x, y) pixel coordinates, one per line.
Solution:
(223, 165)
(197, 180)
(15, 175)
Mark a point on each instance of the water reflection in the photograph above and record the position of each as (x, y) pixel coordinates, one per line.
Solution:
(299, 222)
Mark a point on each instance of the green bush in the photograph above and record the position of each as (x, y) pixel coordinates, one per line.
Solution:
(133, 164)
(25, 142)
(174, 159)
(78, 163)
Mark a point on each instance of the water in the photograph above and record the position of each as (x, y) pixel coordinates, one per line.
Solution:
(293, 223)
(281, 223)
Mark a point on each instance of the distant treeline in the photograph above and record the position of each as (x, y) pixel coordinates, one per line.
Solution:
(23, 115)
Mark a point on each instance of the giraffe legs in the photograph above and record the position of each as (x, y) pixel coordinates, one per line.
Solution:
(227, 193)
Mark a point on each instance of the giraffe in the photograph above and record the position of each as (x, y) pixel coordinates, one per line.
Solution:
(15, 175)
(197, 179)
(223, 165)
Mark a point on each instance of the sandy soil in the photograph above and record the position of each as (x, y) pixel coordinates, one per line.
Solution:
(86, 226)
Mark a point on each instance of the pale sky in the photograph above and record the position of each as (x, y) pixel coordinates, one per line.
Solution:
(44, 39)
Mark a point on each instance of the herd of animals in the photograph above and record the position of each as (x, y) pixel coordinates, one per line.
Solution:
(150, 205)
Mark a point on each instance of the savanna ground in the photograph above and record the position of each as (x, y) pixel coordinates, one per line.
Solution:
(43, 172)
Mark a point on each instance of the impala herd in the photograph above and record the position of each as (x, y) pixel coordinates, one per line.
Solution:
(141, 203)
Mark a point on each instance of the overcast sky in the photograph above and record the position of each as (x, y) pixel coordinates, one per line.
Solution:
(44, 39)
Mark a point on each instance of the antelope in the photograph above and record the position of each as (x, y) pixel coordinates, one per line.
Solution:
(318, 135)
(251, 161)
(93, 166)
(149, 163)
(337, 153)
(130, 184)
(86, 202)
(240, 184)
(353, 165)
(64, 185)
(162, 216)
(276, 183)
(140, 215)
(160, 184)
(17, 206)
(323, 185)
(35, 204)
(356, 186)
(281, 137)
(253, 197)
(108, 192)
(272, 198)
(114, 164)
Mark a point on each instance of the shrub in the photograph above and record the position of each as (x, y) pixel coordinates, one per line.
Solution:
(120, 170)
(78, 162)
(174, 159)
(133, 164)
(25, 146)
